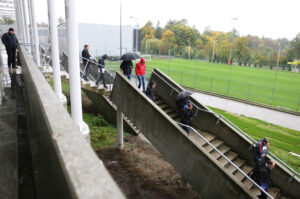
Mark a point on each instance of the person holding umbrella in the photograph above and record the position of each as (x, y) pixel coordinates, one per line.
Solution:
(126, 65)
(140, 70)
(182, 99)
(11, 43)
(186, 114)
(101, 70)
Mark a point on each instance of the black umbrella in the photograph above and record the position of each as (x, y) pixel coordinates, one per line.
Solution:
(183, 94)
(129, 56)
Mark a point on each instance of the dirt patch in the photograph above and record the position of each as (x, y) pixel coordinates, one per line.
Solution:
(142, 173)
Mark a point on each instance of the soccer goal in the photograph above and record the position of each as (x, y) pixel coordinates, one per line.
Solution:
(146, 57)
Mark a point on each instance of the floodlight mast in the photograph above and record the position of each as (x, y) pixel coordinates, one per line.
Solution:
(232, 39)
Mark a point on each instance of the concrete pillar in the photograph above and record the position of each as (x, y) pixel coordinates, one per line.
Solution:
(25, 19)
(74, 71)
(21, 20)
(35, 33)
(17, 12)
(120, 129)
(30, 21)
(55, 51)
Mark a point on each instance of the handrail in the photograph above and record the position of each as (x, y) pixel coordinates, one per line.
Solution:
(228, 160)
(232, 124)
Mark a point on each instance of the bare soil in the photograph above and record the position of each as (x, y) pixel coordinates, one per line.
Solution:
(142, 173)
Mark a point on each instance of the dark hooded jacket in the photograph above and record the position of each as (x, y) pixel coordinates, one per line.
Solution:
(186, 115)
(10, 40)
(150, 91)
(127, 66)
(101, 62)
(85, 54)
(182, 102)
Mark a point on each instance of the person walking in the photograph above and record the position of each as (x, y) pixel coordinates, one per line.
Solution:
(11, 43)
(86, 62)
(264, 176)
(126, 68)
(260, 151)
(186, 115)
(101, 70)
(150, 90)
(140, 70)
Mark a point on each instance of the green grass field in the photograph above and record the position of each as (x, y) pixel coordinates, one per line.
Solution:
(253, 84)
(283, 140)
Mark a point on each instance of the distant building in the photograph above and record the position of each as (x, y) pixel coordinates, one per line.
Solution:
(102, 39)
(7, 9)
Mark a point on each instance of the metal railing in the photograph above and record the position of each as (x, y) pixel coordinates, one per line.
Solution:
(227, 159)
(220, 116)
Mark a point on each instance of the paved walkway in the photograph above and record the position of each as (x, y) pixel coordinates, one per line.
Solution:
(8, 133)
(269, 115)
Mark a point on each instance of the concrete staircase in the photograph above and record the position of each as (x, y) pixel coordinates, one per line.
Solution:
(221, 146)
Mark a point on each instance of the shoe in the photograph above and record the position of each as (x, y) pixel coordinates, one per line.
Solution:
(86, 79)
(105, 87)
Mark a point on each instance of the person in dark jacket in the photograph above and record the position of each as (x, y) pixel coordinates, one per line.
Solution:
(186, 114)
(86, 61)
(260, 151)
(150, 90)
(182, 102)
(11, 43)
(264, 176)
(101, 70)
(126, 68)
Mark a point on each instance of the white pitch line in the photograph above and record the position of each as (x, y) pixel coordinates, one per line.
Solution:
(295, 154)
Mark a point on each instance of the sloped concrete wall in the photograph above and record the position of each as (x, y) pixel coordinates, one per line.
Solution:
(235, 140)
(205, 174)
(65, 166)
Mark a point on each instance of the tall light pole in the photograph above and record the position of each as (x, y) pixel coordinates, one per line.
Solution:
(73, 60)
(232, 39)
(278, 58)
(120, 28)
(136, 33)
(274, 84)
(214, 49)
(189, 49)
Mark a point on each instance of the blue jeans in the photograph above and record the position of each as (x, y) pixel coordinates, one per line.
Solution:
(141, 79)
(128, 76)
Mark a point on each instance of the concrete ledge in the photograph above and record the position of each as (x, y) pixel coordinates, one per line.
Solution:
(224, 131)
(65, 166)
(206, 175)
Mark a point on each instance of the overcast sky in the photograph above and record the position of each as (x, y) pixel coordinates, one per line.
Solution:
(269, 18)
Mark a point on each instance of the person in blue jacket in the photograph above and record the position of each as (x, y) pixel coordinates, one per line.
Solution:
(11, 43)
(261, 150)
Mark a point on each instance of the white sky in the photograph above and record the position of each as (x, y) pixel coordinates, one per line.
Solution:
(269, 18)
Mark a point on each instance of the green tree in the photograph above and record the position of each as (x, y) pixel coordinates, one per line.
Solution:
(7, 21)
(295, 44)
(241, 49)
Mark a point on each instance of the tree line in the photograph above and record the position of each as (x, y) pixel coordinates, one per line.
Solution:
(178, 39)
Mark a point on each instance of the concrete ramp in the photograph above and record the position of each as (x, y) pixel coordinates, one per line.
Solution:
(206, 175)
(232, 143)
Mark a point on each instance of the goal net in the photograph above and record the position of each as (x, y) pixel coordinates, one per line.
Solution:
(146, 57)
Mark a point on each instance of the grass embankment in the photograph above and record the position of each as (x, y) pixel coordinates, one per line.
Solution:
(253, 84)
(103, 134)
(283, 140)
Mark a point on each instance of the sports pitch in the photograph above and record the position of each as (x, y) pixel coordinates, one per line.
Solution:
(249, 83)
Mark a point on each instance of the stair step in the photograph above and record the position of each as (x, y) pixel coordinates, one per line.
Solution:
(169, 110)
(274, 191)
(207, 136)
(238, 162)
(173, 115)
(159, 102)
(222, 148)
(215, 143)
(163, 106)
(246, 169)
(247, 183)
(230, 155)
(255, 190)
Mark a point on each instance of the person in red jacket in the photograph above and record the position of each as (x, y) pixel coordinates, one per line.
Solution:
(140, 69)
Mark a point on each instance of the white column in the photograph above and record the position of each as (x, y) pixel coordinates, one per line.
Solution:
(120, 129)
(30, 21)
(17, 19)
(55, 50)
(35, 33)
(25, 18)
(73, 59)
(22, 23)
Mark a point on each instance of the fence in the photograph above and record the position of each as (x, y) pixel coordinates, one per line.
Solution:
(274, 90)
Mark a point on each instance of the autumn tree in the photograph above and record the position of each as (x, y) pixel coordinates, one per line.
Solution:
(241, 49)
(148, 31)
(168, 38)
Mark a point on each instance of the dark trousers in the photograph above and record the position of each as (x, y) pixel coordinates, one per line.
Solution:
(87, 70)
(141, 79)
(101, 77)
(11, 61)
(258, 164)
